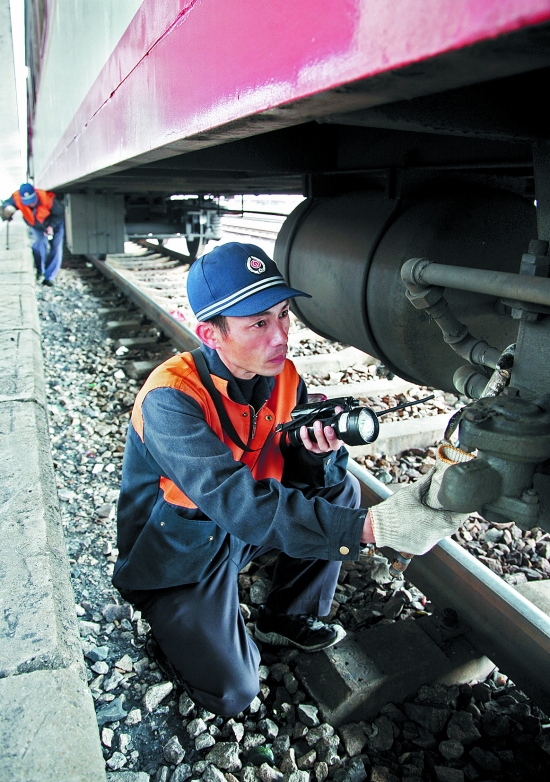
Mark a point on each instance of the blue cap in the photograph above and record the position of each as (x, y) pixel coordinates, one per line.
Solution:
(28, 194)
(236, 279)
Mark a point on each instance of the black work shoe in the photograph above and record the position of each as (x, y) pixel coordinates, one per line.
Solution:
(48, 283)
(304, 632)
(152, 647)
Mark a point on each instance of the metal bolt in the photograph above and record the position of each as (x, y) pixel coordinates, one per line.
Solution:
(450, 617)
(538, 247)
(518, 314)
(530, 497)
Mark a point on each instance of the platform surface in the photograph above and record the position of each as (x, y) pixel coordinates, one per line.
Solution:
(44, 699)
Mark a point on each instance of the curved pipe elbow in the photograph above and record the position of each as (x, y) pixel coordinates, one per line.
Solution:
(469, 382)
(411, 271)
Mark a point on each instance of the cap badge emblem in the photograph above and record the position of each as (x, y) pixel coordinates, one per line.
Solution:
(255, 265)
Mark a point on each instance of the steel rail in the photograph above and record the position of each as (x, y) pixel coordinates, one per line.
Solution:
(502, 624)
(182, 337)
(176, 256)
(243, 230)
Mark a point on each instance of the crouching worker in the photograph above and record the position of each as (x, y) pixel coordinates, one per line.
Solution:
(208, 485)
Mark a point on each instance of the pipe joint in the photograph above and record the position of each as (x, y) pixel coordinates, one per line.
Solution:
(455, 338)
(470, 382)
(484, 355)
(411, 271)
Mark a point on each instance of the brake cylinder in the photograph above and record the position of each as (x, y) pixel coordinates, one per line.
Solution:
(347, 252)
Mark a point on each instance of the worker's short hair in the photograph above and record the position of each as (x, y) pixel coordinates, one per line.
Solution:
(220, 322)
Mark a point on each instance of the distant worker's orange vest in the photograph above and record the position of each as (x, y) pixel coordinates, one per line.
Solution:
(266, 459)
(38, 213)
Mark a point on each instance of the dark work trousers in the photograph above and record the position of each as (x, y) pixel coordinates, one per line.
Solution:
(48, 253)
(200, 627)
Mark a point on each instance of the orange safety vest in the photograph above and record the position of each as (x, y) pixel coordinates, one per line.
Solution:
(181, 374)
(38, 213)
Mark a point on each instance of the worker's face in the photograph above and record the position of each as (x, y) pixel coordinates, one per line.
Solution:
(255, 344)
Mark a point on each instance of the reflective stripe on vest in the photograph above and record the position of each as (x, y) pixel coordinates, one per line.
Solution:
(41, 211)
(180, 373)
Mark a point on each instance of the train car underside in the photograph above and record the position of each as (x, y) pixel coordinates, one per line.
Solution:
(446, 161)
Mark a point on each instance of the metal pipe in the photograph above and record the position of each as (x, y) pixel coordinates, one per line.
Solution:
(506, 627)
(430, 299)
(182, 337)
(470, 382)
(534, 290)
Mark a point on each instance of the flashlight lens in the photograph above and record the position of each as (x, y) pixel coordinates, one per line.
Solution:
(359, 426)
(367, 425)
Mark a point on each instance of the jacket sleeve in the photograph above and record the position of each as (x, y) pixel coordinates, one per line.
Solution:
(56, 216)
(181, 446)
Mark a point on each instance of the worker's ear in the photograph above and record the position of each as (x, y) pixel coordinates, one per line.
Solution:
(208, 334)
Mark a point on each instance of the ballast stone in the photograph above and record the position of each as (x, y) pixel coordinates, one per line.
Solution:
(155, 694)
(112, 712)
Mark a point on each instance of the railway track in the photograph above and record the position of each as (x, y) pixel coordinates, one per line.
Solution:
(259, 226)
(500, 621)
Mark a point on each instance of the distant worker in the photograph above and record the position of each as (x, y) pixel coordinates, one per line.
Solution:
(209, 483)
(44, 214)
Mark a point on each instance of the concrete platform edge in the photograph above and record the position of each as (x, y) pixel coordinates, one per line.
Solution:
(48, 728)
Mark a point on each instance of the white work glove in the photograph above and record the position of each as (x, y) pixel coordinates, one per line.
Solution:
(413, 520)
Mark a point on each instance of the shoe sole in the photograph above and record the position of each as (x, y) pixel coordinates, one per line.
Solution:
(280, 640)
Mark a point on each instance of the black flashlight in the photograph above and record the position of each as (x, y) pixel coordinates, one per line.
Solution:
(355, 424)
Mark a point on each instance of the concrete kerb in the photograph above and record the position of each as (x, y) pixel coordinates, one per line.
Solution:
(48, 728)
(322, 364)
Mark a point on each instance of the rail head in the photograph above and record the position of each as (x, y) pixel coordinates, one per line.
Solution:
(181, 336)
